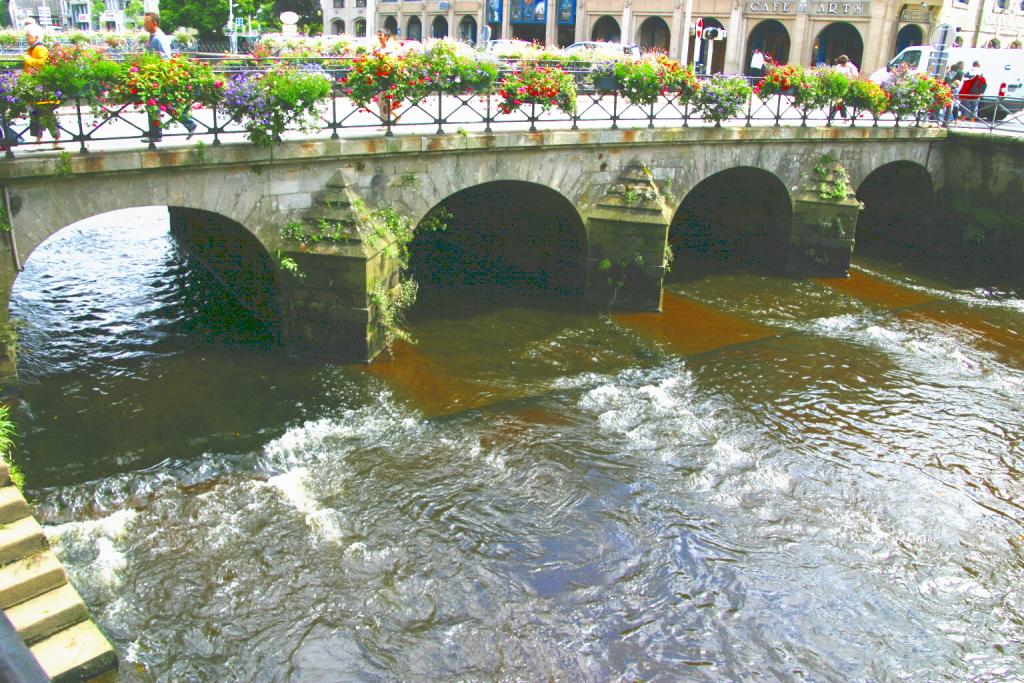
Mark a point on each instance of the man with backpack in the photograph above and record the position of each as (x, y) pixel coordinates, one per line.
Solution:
(973, 88)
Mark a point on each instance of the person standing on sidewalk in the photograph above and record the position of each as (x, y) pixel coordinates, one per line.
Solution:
(973, 87)
(160, 43)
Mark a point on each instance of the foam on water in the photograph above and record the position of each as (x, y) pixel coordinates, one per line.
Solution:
(91, 548)
(292, 486)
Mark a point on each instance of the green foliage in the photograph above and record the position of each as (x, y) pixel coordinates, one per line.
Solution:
(9, 333)
(63, 166)
(617, 274)
(781, 79)
(5, 220)
(833, 182)
(865, 95)
(7, 432)
(70, 71)
(289, 265)
(639, 81)
(325, 230)
(201, 152)
(391, 308)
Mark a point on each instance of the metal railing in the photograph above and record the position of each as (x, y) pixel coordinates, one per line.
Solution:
(442, 112)
(17, 663)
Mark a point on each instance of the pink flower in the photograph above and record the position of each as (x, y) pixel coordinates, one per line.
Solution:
(151, 102)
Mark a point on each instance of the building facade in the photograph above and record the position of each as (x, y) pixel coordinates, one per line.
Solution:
(870, 32)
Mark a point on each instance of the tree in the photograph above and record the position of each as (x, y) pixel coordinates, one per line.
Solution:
(310, 14)
(210, 17)
(98, 8)
(133, 12)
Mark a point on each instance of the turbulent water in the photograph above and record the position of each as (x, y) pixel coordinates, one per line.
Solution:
(773, 480)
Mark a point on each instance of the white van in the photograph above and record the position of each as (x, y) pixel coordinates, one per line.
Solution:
(1003, 70)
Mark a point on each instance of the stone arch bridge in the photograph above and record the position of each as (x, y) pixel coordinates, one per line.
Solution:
(619, 190)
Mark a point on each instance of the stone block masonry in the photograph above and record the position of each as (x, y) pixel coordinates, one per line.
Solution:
(45, 610)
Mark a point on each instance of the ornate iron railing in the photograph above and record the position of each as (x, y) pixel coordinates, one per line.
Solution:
(478, 112)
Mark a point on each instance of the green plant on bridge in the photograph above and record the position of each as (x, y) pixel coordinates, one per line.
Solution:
(289, 265)
(617, 274)
(6, 434)
(833, 182)
(392, 233)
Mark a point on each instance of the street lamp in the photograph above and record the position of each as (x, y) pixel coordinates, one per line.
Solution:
(232, 37)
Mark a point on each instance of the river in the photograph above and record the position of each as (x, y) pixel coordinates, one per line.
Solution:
(775, 479)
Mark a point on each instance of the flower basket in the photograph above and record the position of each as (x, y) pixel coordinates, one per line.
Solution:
(865, 95)
(541, 86)
(722, 97)
(909, 93)
(781, 79)
(680, 80)
(164, 86)
(269, 103)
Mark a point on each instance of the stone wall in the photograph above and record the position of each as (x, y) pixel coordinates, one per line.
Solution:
(980, 201)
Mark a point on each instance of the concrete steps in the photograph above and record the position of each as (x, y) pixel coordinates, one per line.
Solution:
(43, 607)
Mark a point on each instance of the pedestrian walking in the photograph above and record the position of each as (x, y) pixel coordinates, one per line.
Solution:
(844, 66)
(43, 114)
(757, 63)
(160, 43)
(953, 78)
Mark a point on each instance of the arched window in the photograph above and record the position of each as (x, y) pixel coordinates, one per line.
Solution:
(439, 27)
(391, 24)
(606, 29)
(467, 30)
(654, 34)
(838, 39)
(911, 34)
(337, 27)
(772, 39)
(414, 30)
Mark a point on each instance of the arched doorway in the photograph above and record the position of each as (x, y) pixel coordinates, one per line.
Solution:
(414, 29)
(911, 34)
(391, 24)
(360, 28)
(467, 30)
(606, 29)
(654, 34)
(709, 53)
(772, 39)
(439, 27)
(337, 27)
(838, 39)
(711, 231)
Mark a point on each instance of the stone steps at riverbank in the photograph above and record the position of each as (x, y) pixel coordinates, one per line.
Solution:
(45, 610)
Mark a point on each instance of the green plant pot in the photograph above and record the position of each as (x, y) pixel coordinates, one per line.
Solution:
(605, 84)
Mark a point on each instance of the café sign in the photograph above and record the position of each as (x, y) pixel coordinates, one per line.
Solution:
(842, 9)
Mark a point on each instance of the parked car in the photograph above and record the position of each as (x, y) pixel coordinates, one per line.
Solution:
(505, 46)
(602, 46)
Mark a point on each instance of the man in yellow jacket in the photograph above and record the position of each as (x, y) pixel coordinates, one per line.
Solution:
(43, 114)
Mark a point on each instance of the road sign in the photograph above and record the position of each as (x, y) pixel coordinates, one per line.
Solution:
(942, 36)
(698, 29)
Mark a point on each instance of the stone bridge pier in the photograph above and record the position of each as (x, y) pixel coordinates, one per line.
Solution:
(239, 208)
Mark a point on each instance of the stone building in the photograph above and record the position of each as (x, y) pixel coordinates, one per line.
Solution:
(870, 32)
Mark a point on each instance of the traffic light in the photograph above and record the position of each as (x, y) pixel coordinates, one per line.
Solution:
(714, 33)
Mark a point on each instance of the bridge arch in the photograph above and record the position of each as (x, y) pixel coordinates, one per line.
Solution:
(899, 207)
(503, 235)
(86, 261)
(713, 231)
